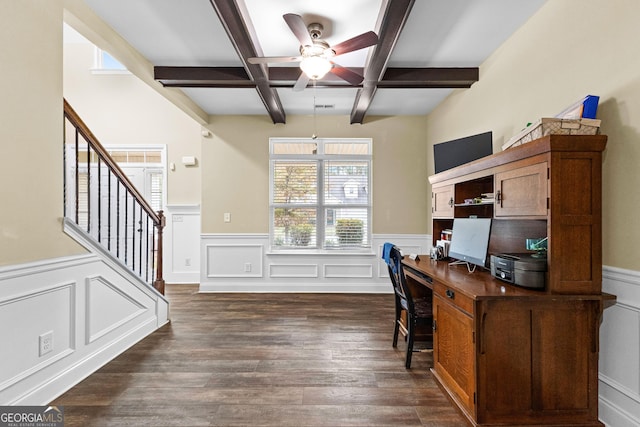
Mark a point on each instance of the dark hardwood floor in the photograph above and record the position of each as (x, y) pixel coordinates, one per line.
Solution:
(265, 360)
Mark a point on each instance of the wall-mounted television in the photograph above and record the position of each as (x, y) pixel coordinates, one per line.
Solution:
(470, 240)
(447, 155)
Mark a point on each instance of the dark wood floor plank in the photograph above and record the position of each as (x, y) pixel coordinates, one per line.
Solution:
(265, 360)
(315, 415)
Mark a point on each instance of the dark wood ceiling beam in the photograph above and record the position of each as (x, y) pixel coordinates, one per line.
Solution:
(393, 15)
(203, 77)
(242, 34)
(237, 77)
(429, 77)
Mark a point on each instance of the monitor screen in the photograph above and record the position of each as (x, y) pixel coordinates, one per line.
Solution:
(450, 154)
(470, 240)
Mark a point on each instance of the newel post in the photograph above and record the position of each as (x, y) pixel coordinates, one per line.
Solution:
(158, 284)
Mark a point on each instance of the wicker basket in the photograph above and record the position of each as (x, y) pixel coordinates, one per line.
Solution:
(553, 126)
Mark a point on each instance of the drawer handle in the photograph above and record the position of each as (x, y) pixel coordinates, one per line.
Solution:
(451, 202)
(450, 294)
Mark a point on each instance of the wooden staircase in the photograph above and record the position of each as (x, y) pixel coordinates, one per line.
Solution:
(102, 201)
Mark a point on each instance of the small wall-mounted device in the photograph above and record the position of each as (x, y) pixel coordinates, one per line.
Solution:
(189, 161)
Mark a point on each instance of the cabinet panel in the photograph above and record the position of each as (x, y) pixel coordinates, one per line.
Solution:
(564, 339)
(454, 352)
(504, 367)
(442, 202)
(522, 192)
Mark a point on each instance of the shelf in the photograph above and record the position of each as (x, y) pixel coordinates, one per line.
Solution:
(474, 204)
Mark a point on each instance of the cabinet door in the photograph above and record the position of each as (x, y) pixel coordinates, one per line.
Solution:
(504, 362)
(442, 202)
(565, 360)
(522, 192)
(537, 362)
(454, 352)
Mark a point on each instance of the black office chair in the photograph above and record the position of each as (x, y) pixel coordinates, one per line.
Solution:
(419, 310)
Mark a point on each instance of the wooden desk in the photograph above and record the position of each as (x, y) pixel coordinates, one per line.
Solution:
(512, 356)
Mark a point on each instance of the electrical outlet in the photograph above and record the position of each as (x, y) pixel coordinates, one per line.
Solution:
(187, 262)
(227, 217)
(46, 343)
(247, 267)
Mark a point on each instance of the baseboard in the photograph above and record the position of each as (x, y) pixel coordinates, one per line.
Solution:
(274, 287)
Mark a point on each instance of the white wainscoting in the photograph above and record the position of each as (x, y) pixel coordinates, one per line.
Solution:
(619, 370)
(243, 263)
(94, 311)
(181, 262)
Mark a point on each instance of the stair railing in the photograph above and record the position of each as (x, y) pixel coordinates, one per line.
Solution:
(102, 201)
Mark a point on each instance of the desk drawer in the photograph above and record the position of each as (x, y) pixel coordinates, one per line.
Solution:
(454, 297)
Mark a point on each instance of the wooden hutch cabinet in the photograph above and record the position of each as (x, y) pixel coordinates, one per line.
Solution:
(508, 355)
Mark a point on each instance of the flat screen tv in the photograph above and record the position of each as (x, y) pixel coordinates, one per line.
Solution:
(450, 154)
(470, 240)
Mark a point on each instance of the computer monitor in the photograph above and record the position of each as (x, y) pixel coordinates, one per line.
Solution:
(470, 240)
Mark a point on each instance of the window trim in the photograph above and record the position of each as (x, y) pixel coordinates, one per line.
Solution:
(320, 157)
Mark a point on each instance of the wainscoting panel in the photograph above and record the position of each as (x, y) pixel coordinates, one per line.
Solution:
(182, 244)
(234, 260)
(348, 271)
(234, 263)
(293, 270)
(619, 369)
(91, 309)
(107, 308)
(20, 335)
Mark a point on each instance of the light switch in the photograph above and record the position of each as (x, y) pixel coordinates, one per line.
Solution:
(227, 217)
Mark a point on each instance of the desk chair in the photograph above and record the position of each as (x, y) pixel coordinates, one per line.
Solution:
(419, 310)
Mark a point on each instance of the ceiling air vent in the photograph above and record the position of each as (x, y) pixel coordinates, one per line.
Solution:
(325, 106)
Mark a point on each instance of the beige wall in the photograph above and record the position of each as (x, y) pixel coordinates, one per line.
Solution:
(31, 133)
(122, 109)
(569, 49)
(235, 169)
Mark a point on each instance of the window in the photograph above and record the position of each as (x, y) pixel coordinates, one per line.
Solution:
(104, 63)
(320, 194)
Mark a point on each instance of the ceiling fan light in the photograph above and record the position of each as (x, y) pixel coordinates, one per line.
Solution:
(315, 67)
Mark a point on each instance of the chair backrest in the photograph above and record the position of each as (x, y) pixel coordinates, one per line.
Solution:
(394, 265)
(398, 280)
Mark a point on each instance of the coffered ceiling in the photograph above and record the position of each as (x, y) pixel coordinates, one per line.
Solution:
(425, 49)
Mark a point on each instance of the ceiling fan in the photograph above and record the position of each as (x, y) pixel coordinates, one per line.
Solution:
(316, 54)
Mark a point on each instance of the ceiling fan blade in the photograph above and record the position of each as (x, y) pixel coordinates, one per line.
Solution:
(273, 59)
(346, 74)
(358, 42)
(299, 28)
(301, 83)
